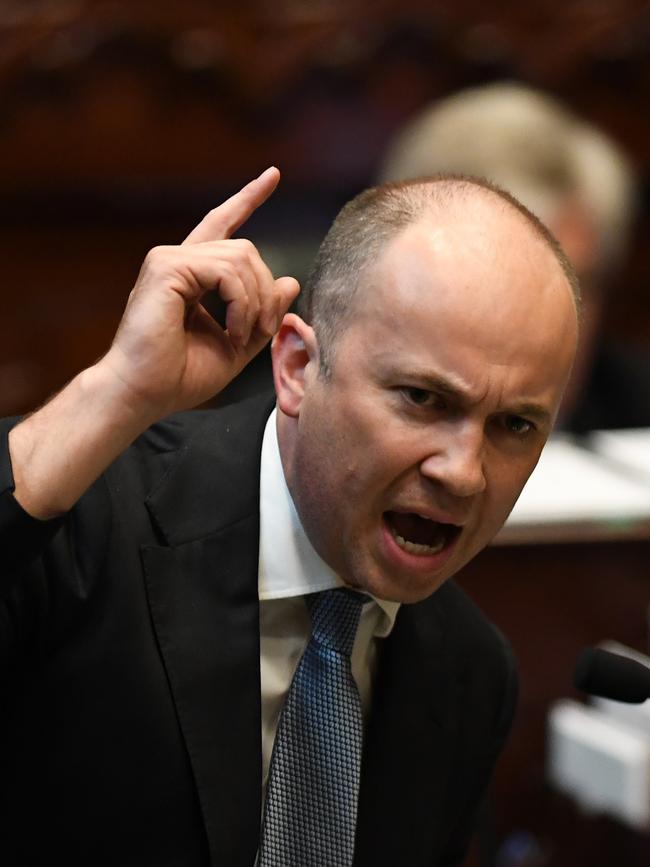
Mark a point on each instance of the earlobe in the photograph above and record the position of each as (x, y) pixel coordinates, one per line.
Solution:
(294, 350)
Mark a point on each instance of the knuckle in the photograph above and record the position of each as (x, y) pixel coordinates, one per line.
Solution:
(227, 269)
(157, 251)
(246, 250)
(157, 255)
(246, 245)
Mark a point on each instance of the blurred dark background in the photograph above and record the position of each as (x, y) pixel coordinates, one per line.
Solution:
(122, 123)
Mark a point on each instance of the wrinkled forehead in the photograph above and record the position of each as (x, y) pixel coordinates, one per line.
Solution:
(469, 281)
(483, 248)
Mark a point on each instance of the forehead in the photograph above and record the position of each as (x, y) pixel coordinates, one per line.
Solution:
(480, 257)
(474, 287)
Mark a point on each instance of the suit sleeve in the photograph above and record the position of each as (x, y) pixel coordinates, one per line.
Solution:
(40, 567)
(22, 537)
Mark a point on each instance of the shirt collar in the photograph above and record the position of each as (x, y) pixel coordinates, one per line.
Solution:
(288, 563)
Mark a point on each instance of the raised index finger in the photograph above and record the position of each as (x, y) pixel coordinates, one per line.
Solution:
(222, 221)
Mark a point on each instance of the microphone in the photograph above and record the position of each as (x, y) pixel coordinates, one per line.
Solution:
(609, 675)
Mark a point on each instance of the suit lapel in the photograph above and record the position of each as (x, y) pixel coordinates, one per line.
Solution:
(407, 754)
(202, 592)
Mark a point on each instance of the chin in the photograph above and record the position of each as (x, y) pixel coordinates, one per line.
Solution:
(405, 590)
(412, 594)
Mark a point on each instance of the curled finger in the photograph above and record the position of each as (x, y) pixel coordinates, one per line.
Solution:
(232, 290)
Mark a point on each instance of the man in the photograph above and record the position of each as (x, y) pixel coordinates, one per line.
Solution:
(146, 586)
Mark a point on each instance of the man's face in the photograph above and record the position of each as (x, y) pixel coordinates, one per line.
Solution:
(408, 459)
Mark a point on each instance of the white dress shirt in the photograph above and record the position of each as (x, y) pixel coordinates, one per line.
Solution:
(289, 568)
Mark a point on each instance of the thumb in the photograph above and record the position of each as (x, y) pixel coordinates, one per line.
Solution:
(287, 289)
(290, 288)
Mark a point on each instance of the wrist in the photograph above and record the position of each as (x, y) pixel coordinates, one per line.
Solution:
(115, 400)
(59, 451)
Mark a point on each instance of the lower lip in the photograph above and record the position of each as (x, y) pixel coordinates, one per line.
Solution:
(414, 562)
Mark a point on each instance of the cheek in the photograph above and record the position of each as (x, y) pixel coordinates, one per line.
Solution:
(357, 449)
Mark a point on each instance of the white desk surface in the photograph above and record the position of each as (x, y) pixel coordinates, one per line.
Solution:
(577, 494)
(629, 448)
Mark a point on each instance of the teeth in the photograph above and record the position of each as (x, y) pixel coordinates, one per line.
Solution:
(415, 548)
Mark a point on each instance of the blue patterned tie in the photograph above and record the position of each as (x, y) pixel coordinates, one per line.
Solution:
(311, 797)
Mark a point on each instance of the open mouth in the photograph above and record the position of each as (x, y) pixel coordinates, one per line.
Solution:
(419, 535)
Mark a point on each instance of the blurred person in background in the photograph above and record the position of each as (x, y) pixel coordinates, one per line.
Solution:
(580, 184)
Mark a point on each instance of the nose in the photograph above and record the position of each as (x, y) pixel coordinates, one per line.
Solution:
(456, 461)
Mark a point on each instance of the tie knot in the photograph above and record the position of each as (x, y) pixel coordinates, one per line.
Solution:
(335, 617)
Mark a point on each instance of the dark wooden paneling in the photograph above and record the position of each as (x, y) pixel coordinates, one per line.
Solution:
(115, 114)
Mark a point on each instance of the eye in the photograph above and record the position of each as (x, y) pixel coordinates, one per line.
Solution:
(517, 425)
(420, 396)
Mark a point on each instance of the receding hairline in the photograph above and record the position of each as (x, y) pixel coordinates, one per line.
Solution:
(466, 188)
(368, 223)
(459, 190)
(438, 215)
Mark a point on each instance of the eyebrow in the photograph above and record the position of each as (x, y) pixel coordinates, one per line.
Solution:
(449, 388)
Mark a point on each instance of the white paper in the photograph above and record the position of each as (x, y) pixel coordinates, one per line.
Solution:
(571, 484)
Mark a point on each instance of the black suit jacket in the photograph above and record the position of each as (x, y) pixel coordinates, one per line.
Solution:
(129, 666)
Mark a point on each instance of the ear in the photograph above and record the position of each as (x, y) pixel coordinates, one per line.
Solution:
(294, 352)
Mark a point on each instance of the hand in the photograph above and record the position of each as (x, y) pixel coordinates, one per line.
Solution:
(169, 353)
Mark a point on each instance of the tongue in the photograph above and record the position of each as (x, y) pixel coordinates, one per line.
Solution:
(413, 528)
